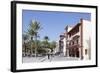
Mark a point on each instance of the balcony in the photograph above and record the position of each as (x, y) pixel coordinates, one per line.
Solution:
(77, 34)
(73, 46)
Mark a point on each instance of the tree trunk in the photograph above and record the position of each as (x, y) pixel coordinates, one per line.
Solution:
(31, 46)
(24, 49)
(35, 46)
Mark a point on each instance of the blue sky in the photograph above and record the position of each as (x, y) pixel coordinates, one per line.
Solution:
(52, 23)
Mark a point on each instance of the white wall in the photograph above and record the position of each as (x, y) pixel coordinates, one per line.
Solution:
(57, 47)
(86, 37)
(64, 48)
(5, 37)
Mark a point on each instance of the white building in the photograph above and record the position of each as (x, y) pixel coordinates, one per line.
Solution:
(57, 47)
(87, 31)
(63, 41)
(79, 40)
(76, 41)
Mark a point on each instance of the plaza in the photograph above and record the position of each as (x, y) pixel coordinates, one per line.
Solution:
(45, 59)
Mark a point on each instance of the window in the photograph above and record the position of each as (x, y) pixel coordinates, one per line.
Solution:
(85, 51)
(73, 43)
(69, 43)
(77, 41)
(69, 35)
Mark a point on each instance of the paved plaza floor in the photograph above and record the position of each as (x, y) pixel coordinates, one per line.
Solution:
(45, 59)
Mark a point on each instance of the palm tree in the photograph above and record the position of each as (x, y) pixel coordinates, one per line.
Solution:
(33, 32)
(46, 43)
(25, 38)
(46, 39)
(53, 45)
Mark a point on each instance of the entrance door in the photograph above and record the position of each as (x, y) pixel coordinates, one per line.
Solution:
(77, 52)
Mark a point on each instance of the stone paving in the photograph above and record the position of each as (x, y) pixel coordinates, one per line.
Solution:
(45, 59)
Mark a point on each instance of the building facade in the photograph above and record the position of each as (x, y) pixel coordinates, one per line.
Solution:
(76, 42)
(63, 41)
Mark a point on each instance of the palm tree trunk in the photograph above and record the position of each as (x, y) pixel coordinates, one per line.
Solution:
(24, 49)
(31, 46)
(35, 45)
